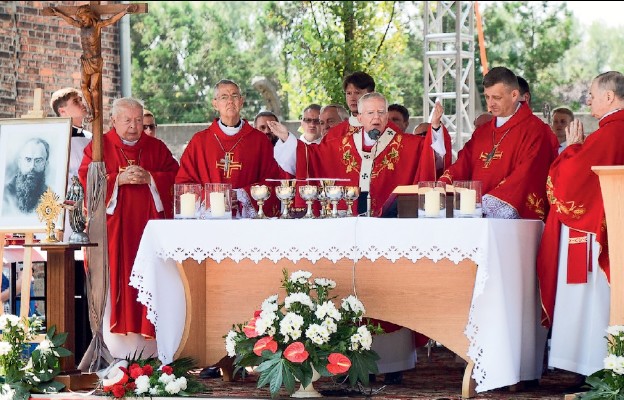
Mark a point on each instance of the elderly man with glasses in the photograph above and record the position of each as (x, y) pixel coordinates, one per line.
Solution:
(231, 151)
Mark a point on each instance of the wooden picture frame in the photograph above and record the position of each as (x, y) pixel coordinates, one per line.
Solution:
(34, 155)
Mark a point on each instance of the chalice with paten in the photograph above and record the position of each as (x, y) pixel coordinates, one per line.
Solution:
(260, 194)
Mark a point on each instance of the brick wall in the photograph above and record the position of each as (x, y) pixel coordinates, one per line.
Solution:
(44, 52)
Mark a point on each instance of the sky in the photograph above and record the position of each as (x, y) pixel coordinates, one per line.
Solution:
(607, 12)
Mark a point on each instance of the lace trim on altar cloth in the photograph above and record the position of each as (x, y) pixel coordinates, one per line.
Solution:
(494, 207)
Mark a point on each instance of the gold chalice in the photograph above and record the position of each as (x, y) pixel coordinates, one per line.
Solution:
(334, 194)
(260, 193)
(286, 193)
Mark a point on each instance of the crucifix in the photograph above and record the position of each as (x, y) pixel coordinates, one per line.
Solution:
(227, 164)
(87, 18)
(491, 156)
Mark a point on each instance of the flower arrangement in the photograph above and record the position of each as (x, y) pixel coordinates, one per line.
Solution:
(289, 341)
(608, 383)
(148, 377)
(23, 372)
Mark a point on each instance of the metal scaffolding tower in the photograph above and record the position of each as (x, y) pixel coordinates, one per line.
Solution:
(449, 65)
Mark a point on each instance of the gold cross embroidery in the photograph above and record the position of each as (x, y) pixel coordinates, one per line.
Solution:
(130, 162)
(491, 156)
(228, 164)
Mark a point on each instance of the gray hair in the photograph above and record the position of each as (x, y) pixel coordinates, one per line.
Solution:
(342, 112)
(611, 80)
(224, 82)
(125, 103)
(371, 95)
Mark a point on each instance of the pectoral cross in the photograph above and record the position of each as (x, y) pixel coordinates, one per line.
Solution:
(227, 164)
(491, 156)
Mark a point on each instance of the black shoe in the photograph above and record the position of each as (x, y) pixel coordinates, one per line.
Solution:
(372, 378)
(210, 373)
(393, 378)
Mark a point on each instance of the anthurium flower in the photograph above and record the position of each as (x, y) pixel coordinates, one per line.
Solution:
(250, 329)
(266, 343)
(338, 363)
(296, 352)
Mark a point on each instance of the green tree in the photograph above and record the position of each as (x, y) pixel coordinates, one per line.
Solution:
(530, 38)
(325, 41)
(181, 50)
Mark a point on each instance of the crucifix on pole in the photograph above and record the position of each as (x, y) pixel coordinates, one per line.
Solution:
(87, 18)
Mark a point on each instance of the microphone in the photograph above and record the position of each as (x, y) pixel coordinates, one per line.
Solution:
(374, 134)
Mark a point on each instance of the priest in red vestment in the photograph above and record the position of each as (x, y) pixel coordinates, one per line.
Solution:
(573, 260)
(231, 151)
(140, 171)
(510, 155)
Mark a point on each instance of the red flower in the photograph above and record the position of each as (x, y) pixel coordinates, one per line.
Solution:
(250, 329)
(338, 364)
(148, 370)
(131, 386)
(119, 391)
(167, 370)
(257, 313)
(136, 370)
(296, 353)
(266, 343)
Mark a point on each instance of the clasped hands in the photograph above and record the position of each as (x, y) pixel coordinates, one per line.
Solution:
(134, 175)
(575, 133)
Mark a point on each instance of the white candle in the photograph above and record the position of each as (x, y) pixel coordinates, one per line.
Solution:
(187, 205)
(432, 203)
(217, 204)
(467, 201)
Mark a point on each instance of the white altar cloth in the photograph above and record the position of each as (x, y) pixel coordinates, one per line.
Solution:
(506, 339)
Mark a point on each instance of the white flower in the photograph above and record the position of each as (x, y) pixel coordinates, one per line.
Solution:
(172, 387)
(362, 339)
(324, 282)
(269, 304)
(290, 326)
(142, 384)
(318, 334)
(300, 298)
(5, 348)
(182, 382)
(166, 378)
(6, 393)
(300, 277)
(154, 391)
(619, 365)
(326, 309)
(616, 330)
(230, 344)
(45, 346)
(330, 325)
(351, 303)
(8, 320)
(264, 323)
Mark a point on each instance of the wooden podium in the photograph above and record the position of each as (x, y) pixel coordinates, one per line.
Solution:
(612, 187)
(60, 291)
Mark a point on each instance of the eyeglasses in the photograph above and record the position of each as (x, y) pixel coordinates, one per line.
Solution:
(149, 126)
(379, 113)
(314, 121)
(225, 97)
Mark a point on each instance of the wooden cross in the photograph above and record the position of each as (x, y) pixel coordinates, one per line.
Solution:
(87, 18)
(227, 164)
(491, 156)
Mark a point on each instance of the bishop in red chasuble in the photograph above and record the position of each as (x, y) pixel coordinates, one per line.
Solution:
(510, 155)
(140, 171)
(573, 260)
(374, 157)
(232, 151)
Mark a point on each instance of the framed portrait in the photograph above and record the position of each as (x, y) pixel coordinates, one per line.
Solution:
(34, 155)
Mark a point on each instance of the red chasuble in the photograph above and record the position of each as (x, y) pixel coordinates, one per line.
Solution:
(135, 207)
(576, 200)
(511, 162)
(338, 157)
(242, 160)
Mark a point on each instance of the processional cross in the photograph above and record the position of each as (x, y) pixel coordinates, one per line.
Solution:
(87, 18)
(228, 164)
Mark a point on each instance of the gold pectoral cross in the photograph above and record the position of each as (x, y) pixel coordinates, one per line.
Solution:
(130, 162)
(491, 156)
(227, 163)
